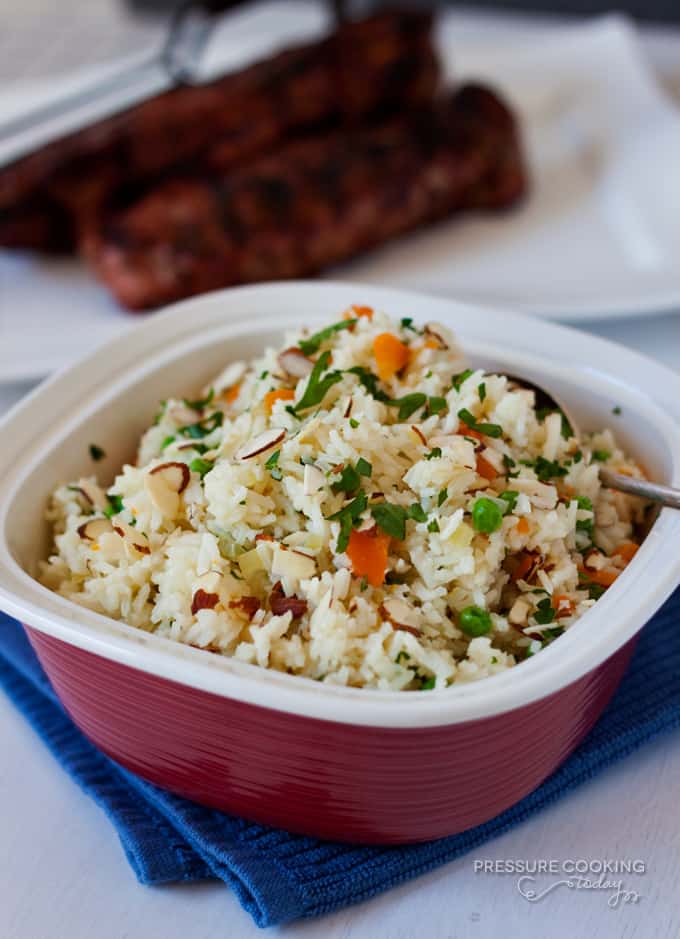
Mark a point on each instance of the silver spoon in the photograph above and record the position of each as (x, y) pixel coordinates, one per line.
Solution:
(655, 492)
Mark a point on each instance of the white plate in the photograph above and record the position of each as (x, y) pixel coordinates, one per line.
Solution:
(596, 238)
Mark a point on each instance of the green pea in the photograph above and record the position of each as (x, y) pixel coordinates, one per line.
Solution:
(486, 516)
(474, 621)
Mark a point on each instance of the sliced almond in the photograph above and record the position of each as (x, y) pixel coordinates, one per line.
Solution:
(295, 363)
(432, 330)
(93, 494)
(313, 480)
(94, 529)
(134, 540)
(418, 432)
(202, 600)
(400, 614)
(164, 483)
(260, 444)
(292, 564)
(348, 408)
(519, 613)
(176, 475)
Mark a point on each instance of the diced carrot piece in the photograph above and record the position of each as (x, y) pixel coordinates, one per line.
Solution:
(232, 394)
(563, 604)
(627, 550)
(466, 431)
(391, 355)
(279, 394)
(431, 344)
(367, 552)
(485, 469)
(522, 526)
(355, 310)
(603, 578)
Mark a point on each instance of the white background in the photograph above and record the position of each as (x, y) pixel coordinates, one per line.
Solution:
(63, 874)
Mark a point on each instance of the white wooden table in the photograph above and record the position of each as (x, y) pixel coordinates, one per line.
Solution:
(63, 874)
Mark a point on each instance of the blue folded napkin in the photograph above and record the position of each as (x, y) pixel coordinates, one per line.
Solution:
(278, 876)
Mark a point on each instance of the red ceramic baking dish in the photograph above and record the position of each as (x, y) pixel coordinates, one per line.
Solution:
(343, 763)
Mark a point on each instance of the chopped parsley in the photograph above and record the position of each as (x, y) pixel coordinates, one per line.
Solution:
(436, 404)
(433, 526)
(364, 468)
(548, 469)
(545, 612)
(201, 403)
(201, 466)
(601, 455)
(348, 482)
(408, 405)
(115, 505)
(353, 423)
(313, 343)
(391, 519)
(204, 427)
(481, 391)
(348, 515)
(509, 496)
(442, 497)
(264, 374)
(489, 430)
(317, 386)
(434, 453)
(167, 441)
(585, 524)
(457, 380)
(96, 452)
(407, 323)
(272, 465)
(417, 512)
(427, 684)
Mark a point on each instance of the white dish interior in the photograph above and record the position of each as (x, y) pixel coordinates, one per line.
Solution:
(111, 397)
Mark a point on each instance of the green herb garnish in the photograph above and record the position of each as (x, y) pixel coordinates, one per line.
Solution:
(202, 403)
(481, 391)
(458, 379)
(417, 512)
(348, 482)
(601, 455)
(509, 496)
(407, 405)
(427, 684)
(585, 524)
(433, 526)
(442, 497)
(391, 519)
(434, 454)
(201, 466)
(167, 441)
(312, 345)
(436, 404)
(348, 515)
(489, 430)
(364, 468)
(545, 612)
(317, 386)
(204, 427)
(352, 423)
(548, 469)
(96, 452)
(115, 505)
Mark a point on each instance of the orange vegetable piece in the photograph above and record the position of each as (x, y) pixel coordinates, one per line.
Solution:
(355, 310)
(232, 394)
(562, 604)
(367, 552)
(279, 394)
(466, 431)
(522, 526)
(627, 550)
(603, 578)
(485, 469)
(391, 355)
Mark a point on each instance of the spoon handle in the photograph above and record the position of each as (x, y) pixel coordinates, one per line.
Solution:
(666, 495)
